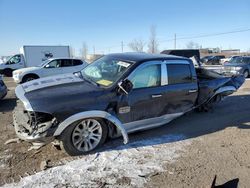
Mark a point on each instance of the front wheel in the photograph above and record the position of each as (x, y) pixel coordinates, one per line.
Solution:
(246, 74)
(84, 136)
(29, 78)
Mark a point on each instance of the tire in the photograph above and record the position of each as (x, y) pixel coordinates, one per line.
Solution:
(7, 72)
(28, 78)
(77, 139)
(246, 73)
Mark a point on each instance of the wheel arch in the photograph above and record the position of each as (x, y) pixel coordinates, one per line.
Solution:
(30, 74)
(93, 114)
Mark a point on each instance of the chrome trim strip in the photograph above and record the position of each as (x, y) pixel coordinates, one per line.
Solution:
(226, 88)
(181, 61)
(164, 74)
(91, 114)
(150, 123)
(20, 95)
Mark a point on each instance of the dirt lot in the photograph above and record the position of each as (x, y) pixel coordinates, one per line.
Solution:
(213, 143)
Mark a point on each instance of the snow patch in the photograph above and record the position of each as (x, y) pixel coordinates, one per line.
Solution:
(4, 160)
(126, 165)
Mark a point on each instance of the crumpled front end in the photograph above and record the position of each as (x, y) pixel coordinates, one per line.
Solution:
(33, 126)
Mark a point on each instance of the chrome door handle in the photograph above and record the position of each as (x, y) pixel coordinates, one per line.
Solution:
(192, 91)
(156, 96)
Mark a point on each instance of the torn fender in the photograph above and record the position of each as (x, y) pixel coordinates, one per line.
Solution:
(91, 114)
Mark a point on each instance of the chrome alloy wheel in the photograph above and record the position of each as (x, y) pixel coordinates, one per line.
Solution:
(87, 135)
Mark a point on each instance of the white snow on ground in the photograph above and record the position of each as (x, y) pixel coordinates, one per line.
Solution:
(3, 160)
(132, 163)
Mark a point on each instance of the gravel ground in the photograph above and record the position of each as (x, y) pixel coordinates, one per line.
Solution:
(219, 144)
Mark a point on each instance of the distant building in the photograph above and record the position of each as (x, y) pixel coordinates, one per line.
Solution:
(210, 50)
(231, 51)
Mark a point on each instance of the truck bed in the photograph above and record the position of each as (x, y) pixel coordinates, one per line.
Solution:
(212, 83)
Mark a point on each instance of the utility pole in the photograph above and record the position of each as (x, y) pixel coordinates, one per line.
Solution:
(94, 50)
(122, 45)
(175, 41)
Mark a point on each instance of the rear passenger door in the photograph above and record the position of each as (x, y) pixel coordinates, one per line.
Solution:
(67, 66)
(180, 87)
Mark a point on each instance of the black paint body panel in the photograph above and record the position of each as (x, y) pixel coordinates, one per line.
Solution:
(64, 100)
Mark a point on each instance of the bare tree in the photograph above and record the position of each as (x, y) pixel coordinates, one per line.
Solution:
(137, 45)
(153, 43)
(192, 45)
(84, 50)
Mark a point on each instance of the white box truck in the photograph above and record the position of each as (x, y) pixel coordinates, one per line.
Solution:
(31, 56)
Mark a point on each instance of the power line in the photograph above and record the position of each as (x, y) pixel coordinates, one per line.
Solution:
(187, 37)
(207, 35)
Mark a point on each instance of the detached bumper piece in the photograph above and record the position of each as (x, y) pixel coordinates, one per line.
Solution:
(32, 126)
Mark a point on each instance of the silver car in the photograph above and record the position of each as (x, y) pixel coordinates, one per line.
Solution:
(239, 65)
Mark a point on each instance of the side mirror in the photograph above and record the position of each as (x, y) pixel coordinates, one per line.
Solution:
(125, 86)
(47, 66)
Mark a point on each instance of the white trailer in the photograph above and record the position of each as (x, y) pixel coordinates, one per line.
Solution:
(31, 56)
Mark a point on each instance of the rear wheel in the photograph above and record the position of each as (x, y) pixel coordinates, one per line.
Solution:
(84, 136)
(246, 74)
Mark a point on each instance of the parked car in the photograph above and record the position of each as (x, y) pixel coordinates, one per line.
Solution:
(31, 56)
(237, 66)
(226, 60)
(3, 88)
(212, 60)
(206, 58)
(115, 95)
(49, 68)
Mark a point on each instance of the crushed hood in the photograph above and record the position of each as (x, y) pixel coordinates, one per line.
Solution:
(56, 94)
(50, 81)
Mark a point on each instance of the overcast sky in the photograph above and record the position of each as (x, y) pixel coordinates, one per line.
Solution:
(105, 23)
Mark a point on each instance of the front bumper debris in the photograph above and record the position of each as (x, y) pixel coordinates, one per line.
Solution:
(40, 133)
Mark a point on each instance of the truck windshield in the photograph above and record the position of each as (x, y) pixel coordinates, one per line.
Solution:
(105, 71)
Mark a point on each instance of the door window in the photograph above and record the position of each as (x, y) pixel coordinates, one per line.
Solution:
(66, 62)
(14, 60)
(149, 76)
(54, 64)
(77, 62)
(179, 73)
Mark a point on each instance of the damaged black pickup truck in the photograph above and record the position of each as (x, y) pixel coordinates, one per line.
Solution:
(115, 95)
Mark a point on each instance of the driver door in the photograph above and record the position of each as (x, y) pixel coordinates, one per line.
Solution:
(144, 101)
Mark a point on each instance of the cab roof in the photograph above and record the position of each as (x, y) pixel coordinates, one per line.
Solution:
(135, 57)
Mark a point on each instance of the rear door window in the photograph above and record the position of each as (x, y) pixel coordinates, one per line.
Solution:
(77, 62)
(66, 63)
(179, 73)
